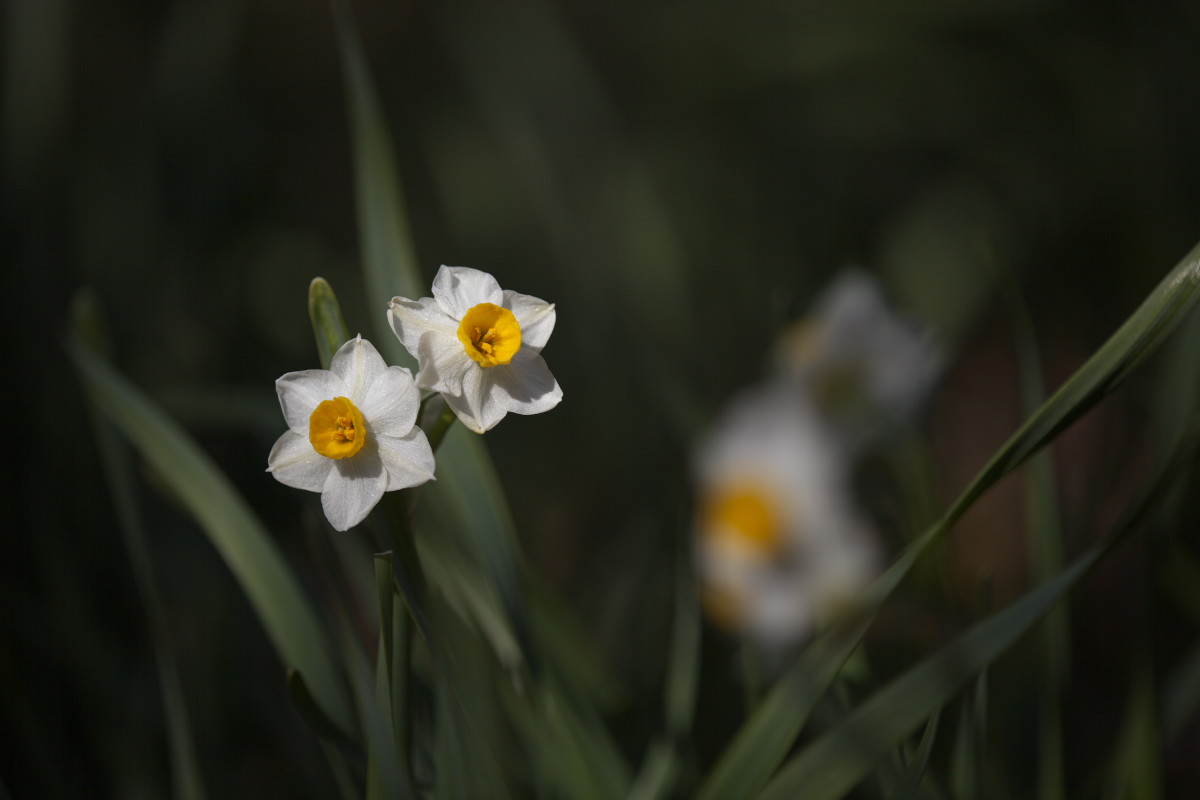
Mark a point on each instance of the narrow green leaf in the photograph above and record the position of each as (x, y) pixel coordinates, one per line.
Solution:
(1180, 575)
(473, 746)
(660, 767)
(572, 752)
(1052, 782)
(1136, 769)
(185, 770)
(467, 501)
(967, 759)
(470, 594)
(389, 263)
(402, 719)
(836, 762)
(909, 787)
(393, 529)
(385, 777)
(1165, 307)
(561, 641)
(683, 667)
(467, 492)
(384, 586)
(285, 612)
(1181, 696)
(341, 773)
(832, 765)
(658, 773)
(1045, 524)
(766, 737)
(316, 719)
(325, 313)
(1177, 400)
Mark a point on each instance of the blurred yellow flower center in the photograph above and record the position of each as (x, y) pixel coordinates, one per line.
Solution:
(490, 334)
(336, 428)
(744, 516)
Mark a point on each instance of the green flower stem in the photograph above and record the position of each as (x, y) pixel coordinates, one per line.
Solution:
(435, 418)
(396, 537)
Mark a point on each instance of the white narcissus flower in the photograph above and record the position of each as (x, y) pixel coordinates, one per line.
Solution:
(780, 548)
(862, 362)
(352, 433)
(479, 346)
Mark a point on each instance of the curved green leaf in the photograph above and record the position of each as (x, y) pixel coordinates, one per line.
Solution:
(325, 313)
(766, 737)
(287, 616)
(185, 770)
(467, 493)
(388, 256)
(836, 762)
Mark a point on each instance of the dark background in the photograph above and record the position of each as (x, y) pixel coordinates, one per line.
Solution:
(681, 178)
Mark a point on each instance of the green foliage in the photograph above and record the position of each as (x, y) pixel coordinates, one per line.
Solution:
(286, 613)
(530, 623)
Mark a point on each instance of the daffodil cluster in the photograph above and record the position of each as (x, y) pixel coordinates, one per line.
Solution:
(781, 546)
(352, 429)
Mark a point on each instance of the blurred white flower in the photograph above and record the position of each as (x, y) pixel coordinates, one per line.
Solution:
(862, 363)
(352, 433)
(780, 548)
(479, 345)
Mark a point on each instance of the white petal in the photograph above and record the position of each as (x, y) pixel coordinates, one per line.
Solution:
(390, 403)
(526, 386)
(352, 488)
(294, 463)
(413, 320)
(408, 460)
(444, 364)
(301, 392)
(478, 407)
(536, 318)
(358, 364)
(458, 289)
(779, 612)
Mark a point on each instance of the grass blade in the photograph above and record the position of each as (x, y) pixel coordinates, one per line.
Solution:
(909, 786)
(185, 769)
(467, 492)
(385, 588)
(764, 740)
(389, 263)
(660, 766)
(1136, 769)
(967, 763)
(761, 744)
(287, 616)
(1047, 546)
(1181, 697)
(835, 763)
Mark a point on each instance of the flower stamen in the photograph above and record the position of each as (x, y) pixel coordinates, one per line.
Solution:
(490, 334)
(333, 428)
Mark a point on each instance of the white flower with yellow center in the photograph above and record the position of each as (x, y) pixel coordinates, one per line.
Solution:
(352, 433)
(780, 548)
(480, 346)
(862, 362)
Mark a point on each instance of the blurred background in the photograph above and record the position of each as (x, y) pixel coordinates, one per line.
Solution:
(681, 179)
